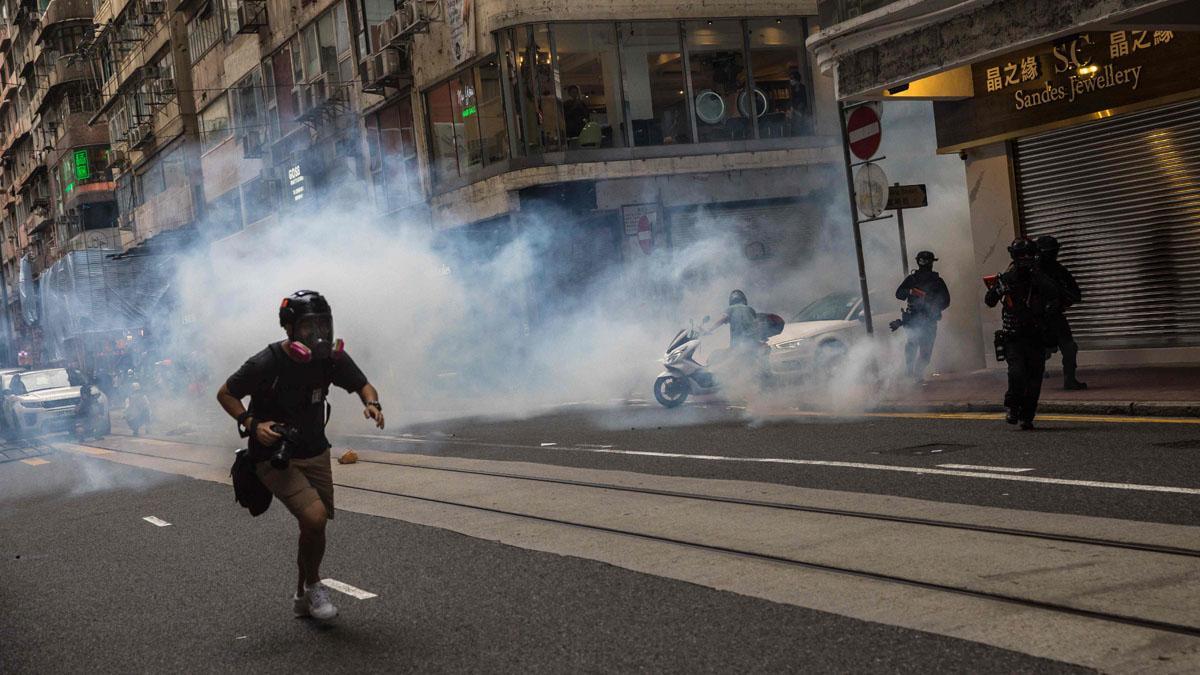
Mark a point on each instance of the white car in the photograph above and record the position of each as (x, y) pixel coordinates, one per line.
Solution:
(44, 401)
(819, 335)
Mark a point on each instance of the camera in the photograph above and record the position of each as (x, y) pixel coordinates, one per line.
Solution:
(287, 444)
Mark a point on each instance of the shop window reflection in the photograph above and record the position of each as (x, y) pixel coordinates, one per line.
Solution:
(441, 127)
(492, 129)
(589, 69)
(775, 48)
(541, 107)
(655, 92)
(718, 68)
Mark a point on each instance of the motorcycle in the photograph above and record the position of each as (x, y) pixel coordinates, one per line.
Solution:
(683, 375)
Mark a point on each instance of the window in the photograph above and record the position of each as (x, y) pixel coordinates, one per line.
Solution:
(466, 121)
(781, 74)
(204, 30)
(654, 83)
(248, 110)
(590, 72)
(715, 55)
(374, 12)
(214, 124)
(83, 165)
(232, 24)
(541, 107)
(394, 156)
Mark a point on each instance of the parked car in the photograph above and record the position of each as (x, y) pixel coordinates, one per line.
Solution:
(44, 401)
(820, 335)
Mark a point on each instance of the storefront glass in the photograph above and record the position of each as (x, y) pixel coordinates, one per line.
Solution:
(589, 69)
(715, 54)
(775, 48)
(654, 84)
(466, 121)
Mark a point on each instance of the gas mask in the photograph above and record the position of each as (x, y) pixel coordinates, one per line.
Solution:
(312, 338)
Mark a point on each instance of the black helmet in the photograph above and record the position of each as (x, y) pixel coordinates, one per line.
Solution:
(737, 298)
(925, 258)
(1048, 245)
(308, 317)
(1024, 251)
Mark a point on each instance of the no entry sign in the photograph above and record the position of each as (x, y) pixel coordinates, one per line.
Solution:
(864, 132)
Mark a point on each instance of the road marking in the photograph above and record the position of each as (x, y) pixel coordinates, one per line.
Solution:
(548, 445)
(89, 450)
(155, 520)
(348, 589)
(594, 445)
(1109, 419)
(34, 462)
(976, 467)
(902, 469)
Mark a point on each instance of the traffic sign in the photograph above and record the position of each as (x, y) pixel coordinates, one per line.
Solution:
(864, 132)
(870, 190)
(907, 197)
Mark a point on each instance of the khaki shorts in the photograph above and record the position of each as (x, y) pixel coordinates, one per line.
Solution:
(303, 482)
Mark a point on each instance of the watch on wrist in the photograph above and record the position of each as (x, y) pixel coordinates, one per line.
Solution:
(243, 430)
(376, 404)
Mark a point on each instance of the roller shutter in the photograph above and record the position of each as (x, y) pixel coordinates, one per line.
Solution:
(1123, 197)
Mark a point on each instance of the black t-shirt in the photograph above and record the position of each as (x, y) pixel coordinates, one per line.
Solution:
(283, 390)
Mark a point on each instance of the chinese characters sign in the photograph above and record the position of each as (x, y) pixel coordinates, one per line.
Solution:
(460, 17)
(1073, 77)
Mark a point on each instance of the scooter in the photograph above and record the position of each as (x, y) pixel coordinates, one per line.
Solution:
(683, 374)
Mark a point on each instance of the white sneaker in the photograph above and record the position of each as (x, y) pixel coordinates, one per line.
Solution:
(319, 606)
(300, 604)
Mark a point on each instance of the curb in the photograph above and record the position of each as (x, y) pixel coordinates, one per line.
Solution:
(1131, 408)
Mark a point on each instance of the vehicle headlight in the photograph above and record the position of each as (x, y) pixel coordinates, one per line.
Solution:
(791, 344)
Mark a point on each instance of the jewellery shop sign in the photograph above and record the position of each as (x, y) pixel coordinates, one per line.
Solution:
(1068, 80)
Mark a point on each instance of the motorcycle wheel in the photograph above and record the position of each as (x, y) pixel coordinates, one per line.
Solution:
(670, 391)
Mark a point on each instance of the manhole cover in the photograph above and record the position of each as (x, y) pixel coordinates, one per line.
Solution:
(928, 449)
(1179, 445)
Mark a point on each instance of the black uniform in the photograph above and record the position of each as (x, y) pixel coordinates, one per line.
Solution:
(1060, 328)
(1031, 299)
(927, 297)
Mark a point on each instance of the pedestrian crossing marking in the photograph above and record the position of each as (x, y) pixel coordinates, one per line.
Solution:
(348, 589)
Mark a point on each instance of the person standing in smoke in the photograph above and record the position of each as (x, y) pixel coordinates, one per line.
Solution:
(1031, 299)
(288, 383)
(927, 297)
(1060, 327)
(745, 334)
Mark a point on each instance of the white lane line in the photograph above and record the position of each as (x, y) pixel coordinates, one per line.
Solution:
(902, 469)
(549, 445)
(976, 467)
(348, 589)
(155, 520)
(594, 445)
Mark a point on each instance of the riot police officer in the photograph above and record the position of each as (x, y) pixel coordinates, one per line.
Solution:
(1030, 298)
(927, 297)
(1059, 326)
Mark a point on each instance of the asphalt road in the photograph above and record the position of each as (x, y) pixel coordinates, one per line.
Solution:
(1110, 467)
(87, 585)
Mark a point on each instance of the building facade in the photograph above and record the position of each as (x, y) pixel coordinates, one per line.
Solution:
(1079, 120)
(138, 126)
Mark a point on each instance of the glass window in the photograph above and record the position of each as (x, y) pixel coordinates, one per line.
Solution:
(204, 30)
(493, 131)
(312, 52)
(394, 158)
(466, 121)
(539, 88)
(780, 73)
(441, 130)
(590, 72)
(374, 12)
(214, 124)
(343, 30)
(654, 85)
(718, 65)
(285, 93)
(327, 43)
(232, 25)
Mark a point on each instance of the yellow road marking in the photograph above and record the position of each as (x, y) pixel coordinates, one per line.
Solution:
(1109, 419)
(34, 462)
(86, 449)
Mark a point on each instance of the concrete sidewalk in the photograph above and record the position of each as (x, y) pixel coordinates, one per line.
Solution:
(1165, 391)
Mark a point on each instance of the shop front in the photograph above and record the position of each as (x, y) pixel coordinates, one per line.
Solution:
(1100, 136)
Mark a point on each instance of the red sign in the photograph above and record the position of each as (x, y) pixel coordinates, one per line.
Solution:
(864, 132)
(645, 235)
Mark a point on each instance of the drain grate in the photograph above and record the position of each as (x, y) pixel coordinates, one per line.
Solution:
(928, 449)
(1179, 445)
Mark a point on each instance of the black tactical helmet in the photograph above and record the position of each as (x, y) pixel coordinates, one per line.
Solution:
(1023, 250)
(1047, 244)
(737, 298)
(925, 258)
(302, 303)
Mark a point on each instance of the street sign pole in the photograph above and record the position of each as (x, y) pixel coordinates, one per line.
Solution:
(858, 247)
